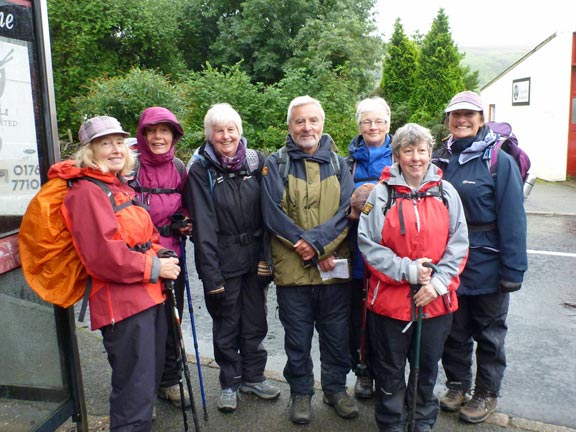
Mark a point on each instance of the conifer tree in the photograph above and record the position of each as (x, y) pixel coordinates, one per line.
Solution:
(439, 75)
(398, 74)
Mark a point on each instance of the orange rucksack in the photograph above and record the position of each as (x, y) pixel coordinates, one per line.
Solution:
(49, 260)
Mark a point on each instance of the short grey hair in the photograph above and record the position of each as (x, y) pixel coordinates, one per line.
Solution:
(303, 100)
(221, 114)
(374, 104)
(411, 134)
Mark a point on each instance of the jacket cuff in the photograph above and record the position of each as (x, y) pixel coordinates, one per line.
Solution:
(413, 273)
(439, 287)
(155, 272)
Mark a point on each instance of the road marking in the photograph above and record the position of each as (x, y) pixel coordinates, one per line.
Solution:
(540, 252)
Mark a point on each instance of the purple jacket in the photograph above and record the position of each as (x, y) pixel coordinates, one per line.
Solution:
(159, 171)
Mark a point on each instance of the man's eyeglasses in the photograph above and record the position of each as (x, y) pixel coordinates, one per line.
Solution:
(368, 123)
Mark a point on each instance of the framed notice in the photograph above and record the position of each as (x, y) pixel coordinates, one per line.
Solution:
(521, 91)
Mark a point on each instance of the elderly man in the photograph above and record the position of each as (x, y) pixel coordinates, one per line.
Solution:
(306, 190)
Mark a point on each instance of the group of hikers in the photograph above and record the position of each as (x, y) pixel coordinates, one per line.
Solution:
(395, 253)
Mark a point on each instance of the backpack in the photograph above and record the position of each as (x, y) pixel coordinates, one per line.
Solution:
(135, 184)
(216, 177)
(436, 191)
(50, 263)
(284, 164)
(508, 142)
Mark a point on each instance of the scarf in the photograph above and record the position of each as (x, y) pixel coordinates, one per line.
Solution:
(236, 162)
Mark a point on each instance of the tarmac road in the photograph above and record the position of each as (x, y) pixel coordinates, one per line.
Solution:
(538, 390)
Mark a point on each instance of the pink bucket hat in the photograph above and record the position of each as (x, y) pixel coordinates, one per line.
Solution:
(466, 100)
(97, 127)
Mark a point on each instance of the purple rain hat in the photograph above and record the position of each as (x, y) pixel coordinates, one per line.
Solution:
(466, 100)
(97, 127)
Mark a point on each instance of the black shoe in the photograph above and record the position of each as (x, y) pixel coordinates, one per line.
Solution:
(301, 409)
(364, 388)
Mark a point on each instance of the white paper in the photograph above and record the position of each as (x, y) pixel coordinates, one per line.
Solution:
(340, 271)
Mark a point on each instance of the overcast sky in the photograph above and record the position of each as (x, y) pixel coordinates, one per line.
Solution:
(486, 23)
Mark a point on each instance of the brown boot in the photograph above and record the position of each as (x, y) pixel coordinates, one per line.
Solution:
(482, 405)
(454, 398)
(344, 406)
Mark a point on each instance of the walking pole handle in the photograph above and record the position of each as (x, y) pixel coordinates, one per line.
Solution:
(431, 265)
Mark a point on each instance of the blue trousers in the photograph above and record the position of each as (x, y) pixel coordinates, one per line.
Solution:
(136, 349)
(326, 308)
(480, 318)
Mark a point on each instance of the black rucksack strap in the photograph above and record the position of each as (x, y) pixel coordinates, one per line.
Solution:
(85, 298)
(135, 183)
(156, 191)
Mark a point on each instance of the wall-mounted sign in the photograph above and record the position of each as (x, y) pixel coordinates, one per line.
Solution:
(521, 91)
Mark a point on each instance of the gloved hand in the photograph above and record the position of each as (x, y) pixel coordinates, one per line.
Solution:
(358, 200)
(181, 225)
(508, 287)
(166, 253)
(214, 300)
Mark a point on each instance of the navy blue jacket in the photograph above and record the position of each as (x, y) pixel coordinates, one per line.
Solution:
(494, 209)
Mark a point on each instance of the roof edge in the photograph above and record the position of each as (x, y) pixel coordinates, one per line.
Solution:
(520, 60)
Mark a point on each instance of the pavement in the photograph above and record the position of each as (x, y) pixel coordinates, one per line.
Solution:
(254, 415)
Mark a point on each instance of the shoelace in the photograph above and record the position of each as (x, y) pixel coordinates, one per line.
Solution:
(478, 400)
(228, 394)
(453, 393)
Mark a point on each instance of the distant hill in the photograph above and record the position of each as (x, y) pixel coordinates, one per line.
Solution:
(490, 62)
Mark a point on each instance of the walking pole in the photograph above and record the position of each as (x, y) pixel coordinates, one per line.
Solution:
(416, 369)
(416, 365)
(362, 368)
(180, 349)
(191, 311)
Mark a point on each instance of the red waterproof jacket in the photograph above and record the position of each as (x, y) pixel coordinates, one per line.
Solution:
(124, 281)
(392, 240)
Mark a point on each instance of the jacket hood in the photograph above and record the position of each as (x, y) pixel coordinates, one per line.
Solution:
(152, 116)
(393, 176)
(472, 148)
(209, 153)
(68, 170)
(322, 154)
(359, 150)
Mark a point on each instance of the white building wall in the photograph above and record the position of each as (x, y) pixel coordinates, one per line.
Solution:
(541, 126)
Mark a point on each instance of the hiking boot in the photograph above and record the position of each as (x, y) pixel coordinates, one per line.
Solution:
(453, 400)
(364, 388)
(483, 404)
(262, 389)
(344, 406)
(227, 401)
(172, 394)
(301, 409)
